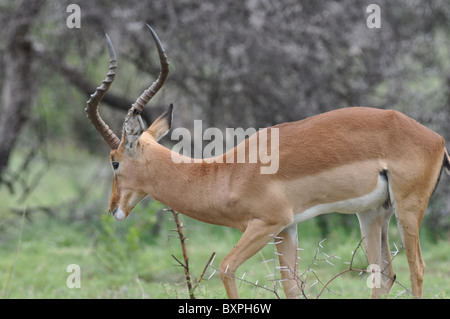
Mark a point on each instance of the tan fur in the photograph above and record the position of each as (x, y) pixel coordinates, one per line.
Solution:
(332, 157)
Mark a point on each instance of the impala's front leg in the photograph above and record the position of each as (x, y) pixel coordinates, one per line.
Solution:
(255, 237)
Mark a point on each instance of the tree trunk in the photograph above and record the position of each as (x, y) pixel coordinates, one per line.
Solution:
(17, 91)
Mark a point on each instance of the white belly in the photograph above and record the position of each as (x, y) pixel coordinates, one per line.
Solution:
(350, 206)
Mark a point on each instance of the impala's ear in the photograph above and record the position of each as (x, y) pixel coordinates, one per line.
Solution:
(133, 127)
(161, 125)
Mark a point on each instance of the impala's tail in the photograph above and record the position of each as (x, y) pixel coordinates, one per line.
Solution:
(446, 161)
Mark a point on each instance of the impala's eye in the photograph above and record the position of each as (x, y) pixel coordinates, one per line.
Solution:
(115, 165)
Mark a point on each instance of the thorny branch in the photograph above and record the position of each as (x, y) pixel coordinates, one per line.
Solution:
(185, 265)
(344, 271)
(360, 271)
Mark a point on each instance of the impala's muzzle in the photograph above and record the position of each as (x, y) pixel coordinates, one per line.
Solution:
(122, 203)
(118, 214)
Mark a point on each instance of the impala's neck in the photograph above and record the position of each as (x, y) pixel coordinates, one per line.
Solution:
(190, 188)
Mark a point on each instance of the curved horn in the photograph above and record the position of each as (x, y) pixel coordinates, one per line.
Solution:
(92, 105)
(145, 97)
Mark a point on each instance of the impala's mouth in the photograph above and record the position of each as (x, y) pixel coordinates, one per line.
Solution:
(118, 214)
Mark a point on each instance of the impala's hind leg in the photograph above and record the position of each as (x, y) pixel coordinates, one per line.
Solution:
(409, 215)
(287, 242)
(374, 225)
(410, 200)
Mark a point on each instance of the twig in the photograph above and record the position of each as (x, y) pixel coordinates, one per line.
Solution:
(344, 271)
(206, 267)
(350, 268)
(242, 280)
(213, 255)
(185, 265)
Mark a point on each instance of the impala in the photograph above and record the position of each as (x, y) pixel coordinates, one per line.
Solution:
(363, 161)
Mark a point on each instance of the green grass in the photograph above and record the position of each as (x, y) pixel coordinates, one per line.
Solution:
(126, 260)
(121, 267)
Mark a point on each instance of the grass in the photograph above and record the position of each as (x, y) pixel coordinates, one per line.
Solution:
(127, 260)
(123, 268)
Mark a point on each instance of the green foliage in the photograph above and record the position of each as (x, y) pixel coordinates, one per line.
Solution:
(127, 238)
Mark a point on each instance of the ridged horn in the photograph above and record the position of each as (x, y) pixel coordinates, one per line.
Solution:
(92, 105)
(145, 97)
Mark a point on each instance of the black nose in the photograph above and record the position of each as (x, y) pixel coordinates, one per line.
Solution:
(113, 212)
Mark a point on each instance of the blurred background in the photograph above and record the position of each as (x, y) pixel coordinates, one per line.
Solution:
(245, 63)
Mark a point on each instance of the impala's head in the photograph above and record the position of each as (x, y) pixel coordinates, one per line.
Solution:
(125, 152)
